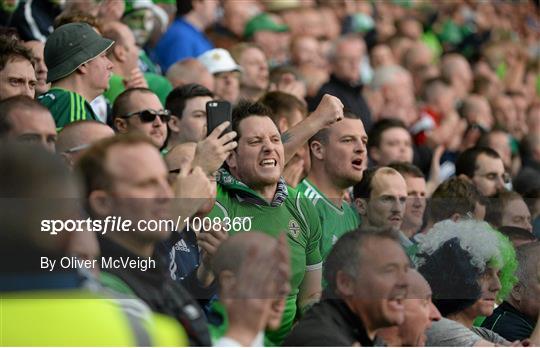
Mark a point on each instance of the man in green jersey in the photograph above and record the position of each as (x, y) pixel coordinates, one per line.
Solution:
(79, 71)
(338, 159)
(251, 189)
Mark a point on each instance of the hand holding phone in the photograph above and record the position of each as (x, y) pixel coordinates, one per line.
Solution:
(218, 112)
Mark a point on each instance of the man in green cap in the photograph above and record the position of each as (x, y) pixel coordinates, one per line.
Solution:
(79, 71)
(267, 31)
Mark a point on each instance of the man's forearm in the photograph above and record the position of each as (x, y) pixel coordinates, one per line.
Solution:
(297, 136)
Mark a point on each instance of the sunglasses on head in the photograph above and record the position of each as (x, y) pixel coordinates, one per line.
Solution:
(150, 115)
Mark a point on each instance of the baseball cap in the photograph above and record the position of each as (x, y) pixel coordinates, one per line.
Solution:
(70, 46)
(263, 22)
(218, 60)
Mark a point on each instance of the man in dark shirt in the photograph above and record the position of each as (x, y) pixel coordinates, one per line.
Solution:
(366, 276)
(516, 318)
(126, 177)
(344, 83)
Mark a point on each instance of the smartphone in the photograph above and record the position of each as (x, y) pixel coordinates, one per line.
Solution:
(218, 112)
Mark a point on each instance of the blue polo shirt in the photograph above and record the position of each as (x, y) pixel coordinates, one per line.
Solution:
(182, 40)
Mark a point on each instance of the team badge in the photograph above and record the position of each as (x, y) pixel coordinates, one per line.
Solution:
(294, 228)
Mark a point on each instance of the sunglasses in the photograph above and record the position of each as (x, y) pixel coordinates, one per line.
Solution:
(150, 115)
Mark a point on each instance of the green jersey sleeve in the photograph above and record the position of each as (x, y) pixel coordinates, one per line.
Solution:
(66, 107)
(314, 230)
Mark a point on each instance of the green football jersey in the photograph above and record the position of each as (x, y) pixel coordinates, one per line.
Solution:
(335, 221)
(291, 213)
(67, 107)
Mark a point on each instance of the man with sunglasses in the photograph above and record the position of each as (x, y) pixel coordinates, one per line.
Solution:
(79, 71)
(139, 110)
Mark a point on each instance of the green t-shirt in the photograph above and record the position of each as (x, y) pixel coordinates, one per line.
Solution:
(335, 221)
(156, 83)
(292, 214)
(67, 107)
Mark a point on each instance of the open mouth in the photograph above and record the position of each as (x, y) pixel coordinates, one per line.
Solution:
(357, 164)
(268, 163)
(395, 218)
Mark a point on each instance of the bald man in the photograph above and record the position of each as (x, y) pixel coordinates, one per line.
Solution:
(190, 70)
(76, 137)
(456, 70)
(252, 269)
(124, 55)
(476, 110)
(420, 312)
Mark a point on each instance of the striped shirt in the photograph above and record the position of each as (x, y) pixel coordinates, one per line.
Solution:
(67, 107)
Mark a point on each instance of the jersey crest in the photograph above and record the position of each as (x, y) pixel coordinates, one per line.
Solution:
(294, 228)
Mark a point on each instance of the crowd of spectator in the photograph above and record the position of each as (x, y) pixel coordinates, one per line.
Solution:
(378, 182)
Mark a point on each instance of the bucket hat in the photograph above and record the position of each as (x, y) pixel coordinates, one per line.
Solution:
(70, 46)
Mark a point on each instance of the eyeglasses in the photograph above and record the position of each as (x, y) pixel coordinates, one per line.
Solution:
(149, 115)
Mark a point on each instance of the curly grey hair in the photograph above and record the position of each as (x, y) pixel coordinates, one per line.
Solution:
(475, 237)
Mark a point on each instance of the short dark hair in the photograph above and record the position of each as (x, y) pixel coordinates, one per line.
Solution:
(496, 205)
(11, 48)
(485, 137)
(364, 187)
(322, 135)
(245, 109)
(381, 126)
(15, 103)
(466, 161)
(407, 169)
(453, 196)
(178, 97)
(183, 7)
(278, 71)
(120, 106)
(345, 254)
(282, 104)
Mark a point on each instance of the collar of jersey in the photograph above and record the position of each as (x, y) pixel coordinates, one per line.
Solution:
(244, 193)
